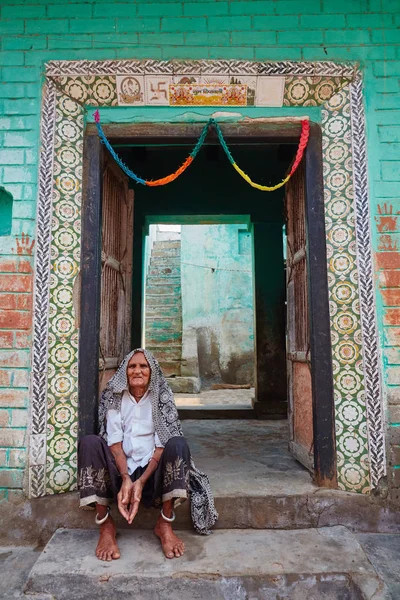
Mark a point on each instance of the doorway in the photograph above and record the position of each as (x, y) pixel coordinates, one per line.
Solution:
(199, 311)
(265, 144)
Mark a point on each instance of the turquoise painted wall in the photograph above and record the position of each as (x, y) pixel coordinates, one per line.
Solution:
(217, 299)
(32, 32)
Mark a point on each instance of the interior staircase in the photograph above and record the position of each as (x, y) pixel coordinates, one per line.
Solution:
(163, 325)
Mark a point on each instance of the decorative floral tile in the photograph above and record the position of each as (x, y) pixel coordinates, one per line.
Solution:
(312, 91)
(347, 353)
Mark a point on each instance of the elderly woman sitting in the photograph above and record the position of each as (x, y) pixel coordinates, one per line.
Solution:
(141, 455)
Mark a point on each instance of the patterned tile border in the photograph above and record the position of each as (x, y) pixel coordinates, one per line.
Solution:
(338, 89)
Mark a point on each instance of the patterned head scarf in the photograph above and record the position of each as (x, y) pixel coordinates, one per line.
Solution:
(165, 414)
(167, 425)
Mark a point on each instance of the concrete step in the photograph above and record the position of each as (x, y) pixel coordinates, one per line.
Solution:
(170, 353)
(256, 482)
(159, 314)
(167, 244)
(249, 507)
(161, 261)
(171, 368)
(164, 330)
(163, 299)
(165, 325)
(229, 565)
(167, 336)
(166, 252)
(166, 288)
(162, 271)
(186, 385)
(164, 310)
(166, 280)
(163, 343)
(160, 321)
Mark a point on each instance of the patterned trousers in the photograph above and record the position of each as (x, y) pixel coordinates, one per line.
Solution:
(99, 480)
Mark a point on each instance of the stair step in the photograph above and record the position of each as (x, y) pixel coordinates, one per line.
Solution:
(232, 565)
(163, 313)
(166, 252)
(167, 244)
(158, 319)
(167, 353)
(171, 369)
(157, 280)
(163, 325)
(173, 262)
(163, 336)
(163, 271)
(153, 290)
(169, 310)
(163, 300)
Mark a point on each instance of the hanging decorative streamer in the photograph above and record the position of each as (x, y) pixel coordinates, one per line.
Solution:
(305, 132)
(162, 181)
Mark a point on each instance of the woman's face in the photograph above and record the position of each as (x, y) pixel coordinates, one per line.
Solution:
(138, 371)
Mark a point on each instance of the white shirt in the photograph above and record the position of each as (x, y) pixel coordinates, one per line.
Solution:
(133, 426)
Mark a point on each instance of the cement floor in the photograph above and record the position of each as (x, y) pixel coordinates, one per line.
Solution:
(382, 550)
(242, 458)
(216, 398)
(229, 565)
(247, 457)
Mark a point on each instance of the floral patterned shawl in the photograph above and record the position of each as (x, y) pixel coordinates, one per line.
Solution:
(167, 425)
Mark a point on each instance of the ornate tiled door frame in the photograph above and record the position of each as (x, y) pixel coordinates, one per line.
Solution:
(72, 85)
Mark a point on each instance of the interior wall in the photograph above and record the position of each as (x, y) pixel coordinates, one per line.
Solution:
(217, 301)
(211, 186)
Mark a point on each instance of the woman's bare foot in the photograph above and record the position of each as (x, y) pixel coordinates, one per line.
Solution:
(173, 547)
(107, 548)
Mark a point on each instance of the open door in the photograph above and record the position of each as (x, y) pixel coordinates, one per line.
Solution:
(300, 399)
(116, 270)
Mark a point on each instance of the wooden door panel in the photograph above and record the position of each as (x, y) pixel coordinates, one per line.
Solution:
(116, 270)
(298, 330)
(302, 443)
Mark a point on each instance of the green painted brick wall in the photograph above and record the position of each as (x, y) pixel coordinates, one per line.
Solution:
(34, 32)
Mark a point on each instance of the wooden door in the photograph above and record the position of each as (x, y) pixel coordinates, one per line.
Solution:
(116, 270)
(300, 400)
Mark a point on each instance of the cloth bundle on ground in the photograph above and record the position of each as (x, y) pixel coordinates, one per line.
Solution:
(167, 426)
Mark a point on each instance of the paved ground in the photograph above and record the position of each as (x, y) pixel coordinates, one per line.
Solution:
(246, 457)
(229, 565)
(383, 552)
(242, 458)
(15, 565)
(215, 398)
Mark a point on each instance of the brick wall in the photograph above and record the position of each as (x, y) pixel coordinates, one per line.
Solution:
(33, 32)
(16, 279)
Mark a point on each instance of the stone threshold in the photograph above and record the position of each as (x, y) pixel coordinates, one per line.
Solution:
(324, 563)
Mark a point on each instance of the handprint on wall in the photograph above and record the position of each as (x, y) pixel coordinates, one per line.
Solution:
(24, 245)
